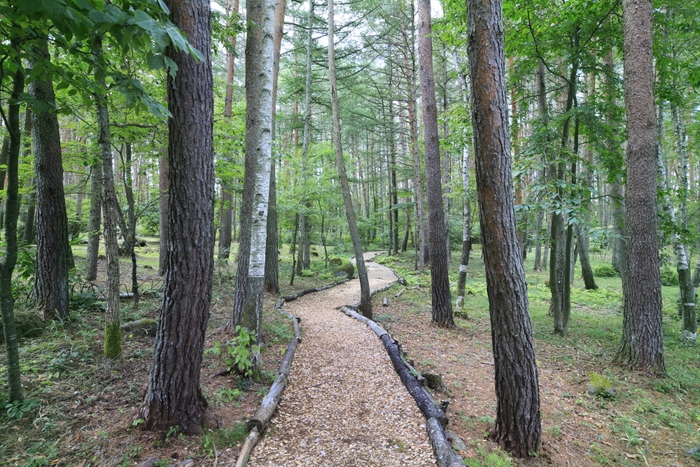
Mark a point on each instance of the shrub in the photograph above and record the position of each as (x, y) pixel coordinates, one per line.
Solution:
(669, 277)
(605, 270)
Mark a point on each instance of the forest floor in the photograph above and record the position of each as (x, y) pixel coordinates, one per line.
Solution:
(84, 410)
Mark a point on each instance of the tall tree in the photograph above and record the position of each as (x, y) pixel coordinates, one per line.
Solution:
(272, 282)
(95, 221)
(642, 336)
(226, 226)
(110, 206)
(174, 396)
(52, 260)
(9, 258)
(518, 426)
(259, 77)
(365, 299)
(439, 258)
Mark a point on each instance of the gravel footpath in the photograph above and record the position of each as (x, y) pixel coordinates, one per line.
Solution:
(344, 404)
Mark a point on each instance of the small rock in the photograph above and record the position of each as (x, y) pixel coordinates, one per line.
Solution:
(434, 381)
(456, 441)
(148, 462)
(694, 452)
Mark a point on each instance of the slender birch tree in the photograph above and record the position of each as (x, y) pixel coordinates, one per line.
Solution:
(9, 257)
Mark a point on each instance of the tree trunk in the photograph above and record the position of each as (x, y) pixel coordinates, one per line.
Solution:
(561, 238)
(586, 270)
(517, 428)
(93, 246)
(466, 208)
(130, 235)
(686, 292)
(110, 205)
(9, 259)
(51, 284)
(365, 299)
(164, 213)
(439, 270)
(272, 283)
(247, 309)
(409, 70)
(226, 224)
(174, 395)
(642, 337)
(29, 233)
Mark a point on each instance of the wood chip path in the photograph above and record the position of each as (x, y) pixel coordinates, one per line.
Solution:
(344, 404)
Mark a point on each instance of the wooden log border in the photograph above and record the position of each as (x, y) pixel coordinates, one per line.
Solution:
(257, 424)
(436, 420)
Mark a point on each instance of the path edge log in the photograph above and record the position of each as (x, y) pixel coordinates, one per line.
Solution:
(444, 454)
(258, 422)
(436, 420)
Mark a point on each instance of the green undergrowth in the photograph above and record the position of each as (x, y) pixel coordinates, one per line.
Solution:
(645, 416)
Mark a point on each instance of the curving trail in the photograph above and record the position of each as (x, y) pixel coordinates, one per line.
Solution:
(344, 404)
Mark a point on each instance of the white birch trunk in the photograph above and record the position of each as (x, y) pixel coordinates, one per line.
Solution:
(259, 112)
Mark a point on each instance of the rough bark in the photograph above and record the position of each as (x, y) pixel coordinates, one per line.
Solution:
(439, 258)
(518, 426)
(642, 337)
(365, 299)
(174, 396)
(9, 258)
(51, 285)
(164, 214)
(110, 205)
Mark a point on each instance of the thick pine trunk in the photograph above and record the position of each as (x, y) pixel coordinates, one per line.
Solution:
(517, 427)
(365, 299)
(174, 396)
(642, 337)
(51, 284)
(439, 258)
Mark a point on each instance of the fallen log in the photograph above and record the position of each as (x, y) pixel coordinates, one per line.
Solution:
(422, 397)
(250, 441)
(378, 330)
(444, 454)
(289, 298)
(259, 421)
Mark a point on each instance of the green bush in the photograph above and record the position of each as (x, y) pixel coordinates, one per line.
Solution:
(605, 270)
(669, 277)
(27, 324)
